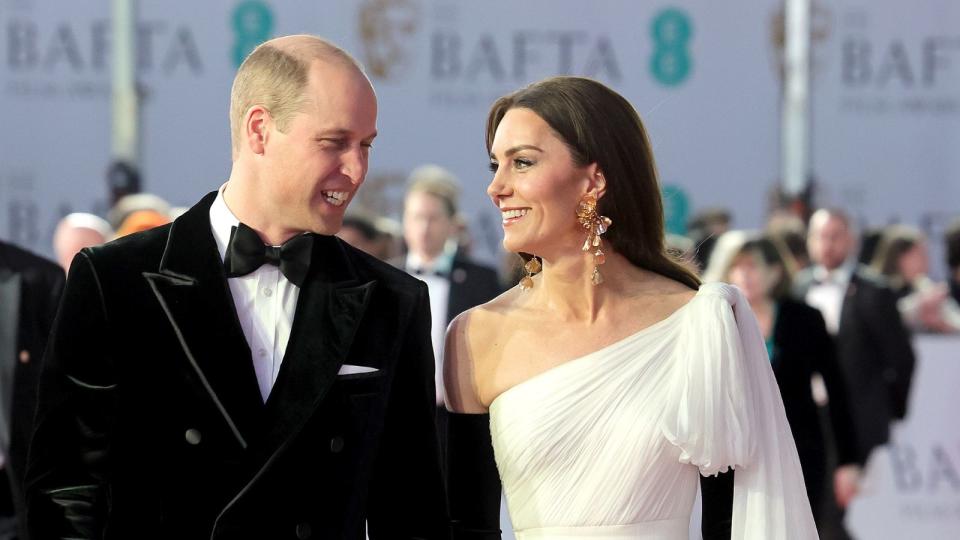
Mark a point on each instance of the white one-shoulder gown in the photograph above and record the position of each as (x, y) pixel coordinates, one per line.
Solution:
(610, 445)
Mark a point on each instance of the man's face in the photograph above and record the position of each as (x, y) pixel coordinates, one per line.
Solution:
(314, 169)
(426, 225)
(830, 242)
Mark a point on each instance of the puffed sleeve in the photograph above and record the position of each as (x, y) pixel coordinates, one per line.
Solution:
(728, 414)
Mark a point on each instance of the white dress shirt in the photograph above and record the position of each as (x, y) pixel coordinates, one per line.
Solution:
(437, 278)
(827, 293)
(265, 300)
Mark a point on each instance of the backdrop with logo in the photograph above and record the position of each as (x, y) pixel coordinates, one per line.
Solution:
(886, 111)
(703, 75)
(703, 78)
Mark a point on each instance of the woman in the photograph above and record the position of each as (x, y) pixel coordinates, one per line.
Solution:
(902, 258)
(799, 347)
(611, 382)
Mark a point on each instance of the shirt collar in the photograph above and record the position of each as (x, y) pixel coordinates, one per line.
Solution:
(840, 276)
(442, 265)
(222, 222)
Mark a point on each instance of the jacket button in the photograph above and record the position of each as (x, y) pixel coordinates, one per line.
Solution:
(24, 356)
(336, 444)
(304, 530)
(192, 436)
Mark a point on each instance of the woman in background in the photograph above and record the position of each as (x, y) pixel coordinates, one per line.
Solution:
(799, 347)
(902, 258)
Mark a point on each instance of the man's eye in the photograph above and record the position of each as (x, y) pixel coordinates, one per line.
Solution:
(335, 143)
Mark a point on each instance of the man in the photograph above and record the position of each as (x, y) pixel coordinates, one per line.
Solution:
(77, 231)
(192, 392)
(430, 228)
(873, 346)
(30, 288)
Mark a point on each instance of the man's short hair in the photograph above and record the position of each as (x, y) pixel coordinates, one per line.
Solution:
(951, 239)
(436, 181)
(275, 78)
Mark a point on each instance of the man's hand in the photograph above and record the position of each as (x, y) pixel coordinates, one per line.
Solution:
(846, 484)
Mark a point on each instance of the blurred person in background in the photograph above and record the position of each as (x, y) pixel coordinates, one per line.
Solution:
(873, 346)
(374, 235)
(704, 228)
(129, 204)
(456, 284)
(951, 240)
(30, 288)
(141, 220)
(359, 231)
(902, 258)
(789, 231)
(800, 348)
(77, 231)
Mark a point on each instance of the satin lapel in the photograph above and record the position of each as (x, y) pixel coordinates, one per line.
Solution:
(848, 307)
(329, 310)
(9, 335)
(192, 291)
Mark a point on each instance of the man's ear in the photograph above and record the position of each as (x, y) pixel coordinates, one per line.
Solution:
(256, 129)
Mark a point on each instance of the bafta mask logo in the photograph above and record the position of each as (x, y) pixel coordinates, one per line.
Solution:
(387, 28)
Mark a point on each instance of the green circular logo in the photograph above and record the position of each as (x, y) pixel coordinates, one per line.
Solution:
(252, 25)
(671, 32)
(676, 209)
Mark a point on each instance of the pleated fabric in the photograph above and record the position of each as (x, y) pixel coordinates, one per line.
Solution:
(610, 444)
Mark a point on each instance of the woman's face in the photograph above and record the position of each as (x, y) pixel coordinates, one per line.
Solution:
(536, 185)
(914, 262)
(753, 277)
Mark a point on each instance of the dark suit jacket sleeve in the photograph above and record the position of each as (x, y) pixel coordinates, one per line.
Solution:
(894, 345)
(406, 494)
(825, 363)
(69, 454)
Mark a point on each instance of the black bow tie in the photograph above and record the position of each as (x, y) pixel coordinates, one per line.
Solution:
(246, 252)
(425, 272)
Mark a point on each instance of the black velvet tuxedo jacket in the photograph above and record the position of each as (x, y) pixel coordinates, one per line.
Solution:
(30, 288)
(151, 424)
(875, 356)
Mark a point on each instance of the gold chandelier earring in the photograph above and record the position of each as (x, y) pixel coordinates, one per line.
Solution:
(595, 225)
(531, 267)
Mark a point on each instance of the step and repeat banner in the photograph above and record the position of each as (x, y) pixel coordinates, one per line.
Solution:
(886, 111)
(704, 77)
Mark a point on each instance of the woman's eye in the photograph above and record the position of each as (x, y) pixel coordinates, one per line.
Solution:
(521, 163)
(494, 166)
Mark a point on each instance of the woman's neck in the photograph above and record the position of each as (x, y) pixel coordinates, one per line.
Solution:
(565, 286)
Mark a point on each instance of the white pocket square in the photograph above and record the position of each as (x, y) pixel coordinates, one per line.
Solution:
(350, 369)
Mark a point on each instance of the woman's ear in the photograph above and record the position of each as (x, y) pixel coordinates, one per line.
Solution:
(597, 185)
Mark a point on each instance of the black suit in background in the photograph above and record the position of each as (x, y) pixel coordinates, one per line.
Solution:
(471, 284)
(801, 347)
(874, 354)
(30, 288)
(151, 423)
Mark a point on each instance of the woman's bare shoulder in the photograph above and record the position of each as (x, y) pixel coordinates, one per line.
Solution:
(471, 340)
